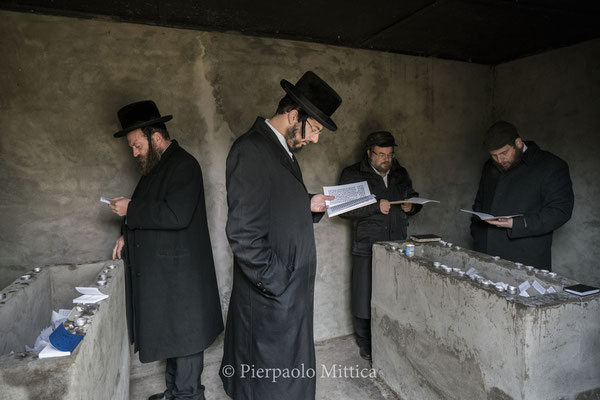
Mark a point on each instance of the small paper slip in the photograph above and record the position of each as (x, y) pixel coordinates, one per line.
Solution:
(485, 217)
(105, 200)
(414, 200)
(59, 317)
(537, 286)
(524, 286)
(90, 295)
(471, 271)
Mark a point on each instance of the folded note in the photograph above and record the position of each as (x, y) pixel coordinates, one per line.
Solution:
(90, 295)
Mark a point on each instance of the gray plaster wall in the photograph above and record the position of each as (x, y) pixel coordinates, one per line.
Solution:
(554, 99)
(63, 80)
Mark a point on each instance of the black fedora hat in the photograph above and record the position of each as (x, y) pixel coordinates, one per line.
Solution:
(138, 115)
(315, 96)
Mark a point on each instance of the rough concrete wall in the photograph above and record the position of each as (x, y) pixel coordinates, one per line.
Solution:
(440, 336)
(96, 368)
(31, 301)
(66, 78)
(554, 100)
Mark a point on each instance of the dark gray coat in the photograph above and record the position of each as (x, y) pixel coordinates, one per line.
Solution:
(369, 224)
(173, 305)
(540, 188)
(269, 227)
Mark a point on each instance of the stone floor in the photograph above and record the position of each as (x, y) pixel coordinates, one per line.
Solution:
(332, 383)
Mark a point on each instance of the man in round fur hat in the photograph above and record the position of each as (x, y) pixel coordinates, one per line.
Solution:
(381, 221)
(269, 349)
(173, 307)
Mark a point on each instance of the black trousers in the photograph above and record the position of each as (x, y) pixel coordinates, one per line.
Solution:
(183, 376)
(361, 299)
(360, 295)
(362, 330)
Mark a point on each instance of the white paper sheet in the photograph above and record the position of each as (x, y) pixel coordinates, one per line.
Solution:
(90, 295)
(414, 200)
(485, 217)
(51, 351)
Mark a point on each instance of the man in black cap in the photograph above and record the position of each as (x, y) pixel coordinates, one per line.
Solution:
(520, 179)
(380, 221)
(173, 307)
(269, 349)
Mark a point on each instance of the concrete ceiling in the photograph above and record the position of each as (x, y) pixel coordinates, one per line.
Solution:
(480, 31)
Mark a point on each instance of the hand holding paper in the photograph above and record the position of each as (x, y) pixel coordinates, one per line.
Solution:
(501, 222)
(319, 202)
(119, 205)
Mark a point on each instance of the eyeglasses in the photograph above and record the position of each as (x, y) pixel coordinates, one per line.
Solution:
(313, 129)
(384, 156)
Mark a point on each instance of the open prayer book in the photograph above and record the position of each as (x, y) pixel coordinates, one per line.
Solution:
(348, 197)
(485, 217)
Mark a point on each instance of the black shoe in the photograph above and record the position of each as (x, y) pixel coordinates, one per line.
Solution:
(365, 353)
(158, 396)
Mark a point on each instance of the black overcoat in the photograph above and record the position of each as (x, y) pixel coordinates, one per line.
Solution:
(269, 227)
(369, 225)
(540, 188)
(173, 306)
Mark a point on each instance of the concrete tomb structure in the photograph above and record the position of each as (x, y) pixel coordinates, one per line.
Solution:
(98, 368)
(440, 333)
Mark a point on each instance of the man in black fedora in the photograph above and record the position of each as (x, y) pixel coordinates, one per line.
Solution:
(381, 221)
(173, 307)
(269, 227)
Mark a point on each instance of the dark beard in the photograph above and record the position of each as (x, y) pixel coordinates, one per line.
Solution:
(514, 162)
(148, 162)
(291, 138)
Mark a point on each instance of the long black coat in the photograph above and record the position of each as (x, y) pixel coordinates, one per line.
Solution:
(173, 305)
(540, 188)
(369, 225)
(269, 227)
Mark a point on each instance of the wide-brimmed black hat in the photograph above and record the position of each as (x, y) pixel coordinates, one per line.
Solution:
(315, 97)
(138, 115)
(381, 139)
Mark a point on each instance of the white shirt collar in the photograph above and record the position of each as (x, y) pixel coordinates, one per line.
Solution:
(281, 138)
(385, 177)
